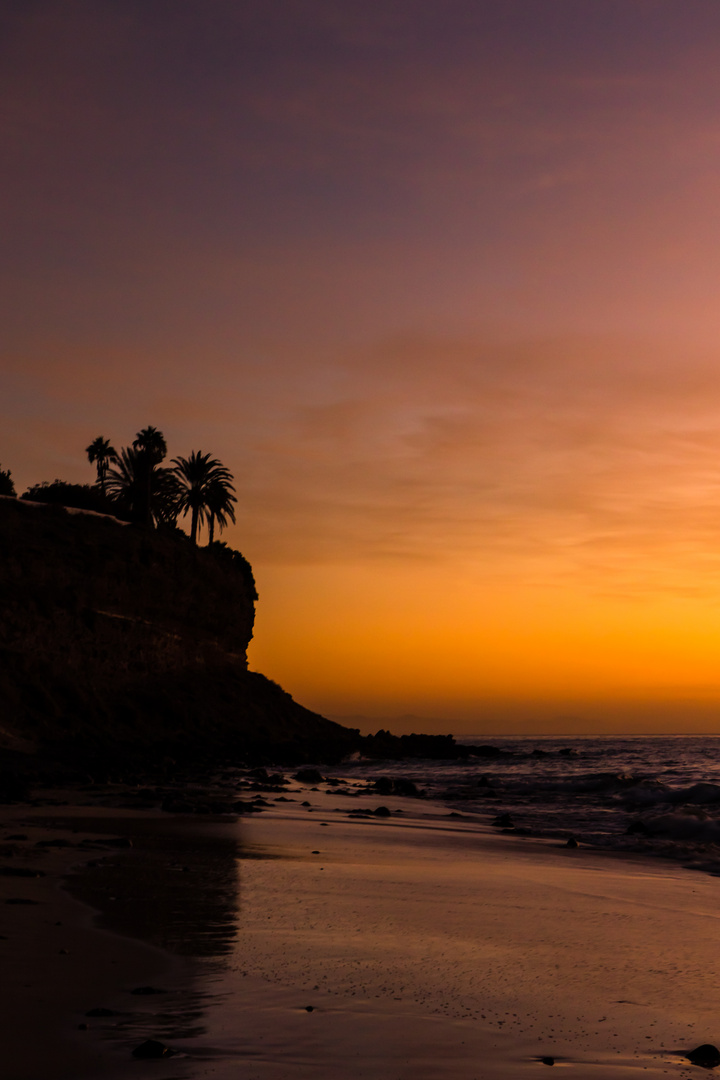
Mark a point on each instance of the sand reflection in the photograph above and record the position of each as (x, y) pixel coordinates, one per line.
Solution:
(177, 887)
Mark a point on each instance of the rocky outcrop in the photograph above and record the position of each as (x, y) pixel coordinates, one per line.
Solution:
(116, 639)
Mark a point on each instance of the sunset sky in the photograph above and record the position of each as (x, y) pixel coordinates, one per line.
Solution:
(439, 281)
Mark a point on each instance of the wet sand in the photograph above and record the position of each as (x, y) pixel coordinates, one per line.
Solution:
(431, 949)
(133, 927)
(426, 947)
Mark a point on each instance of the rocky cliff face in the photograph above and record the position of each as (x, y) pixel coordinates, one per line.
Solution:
(114, 638)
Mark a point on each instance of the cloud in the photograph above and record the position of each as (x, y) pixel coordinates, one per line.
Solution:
(545, 460)
(601, 456)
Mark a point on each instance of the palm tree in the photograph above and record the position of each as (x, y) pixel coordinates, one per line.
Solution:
(219, 503)
(198, 477)
(101, 453)
(151, 448)
(127, 485)
(150, 441)
(165, 495)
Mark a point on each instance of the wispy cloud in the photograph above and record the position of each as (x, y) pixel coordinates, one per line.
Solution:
(602, 454)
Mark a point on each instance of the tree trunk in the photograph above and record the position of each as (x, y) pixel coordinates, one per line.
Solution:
(148, 497)
(193, 527)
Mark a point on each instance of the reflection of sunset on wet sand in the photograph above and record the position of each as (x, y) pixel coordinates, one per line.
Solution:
(313, 941)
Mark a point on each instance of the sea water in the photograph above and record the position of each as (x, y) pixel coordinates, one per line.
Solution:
(656, 796)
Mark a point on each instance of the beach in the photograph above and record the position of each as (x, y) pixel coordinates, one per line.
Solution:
(413, 945)
(417, 944)
(439, 951)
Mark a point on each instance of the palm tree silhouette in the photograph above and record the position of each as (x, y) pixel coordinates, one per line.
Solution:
(219, 502)
(139, 489)
(101, 453)
(201, 478)
(150, 441)
(151, 448)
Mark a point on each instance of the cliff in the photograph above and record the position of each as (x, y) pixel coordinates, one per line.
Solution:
(118, 641)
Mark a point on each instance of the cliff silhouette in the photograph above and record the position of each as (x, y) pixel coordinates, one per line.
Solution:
(123, 643)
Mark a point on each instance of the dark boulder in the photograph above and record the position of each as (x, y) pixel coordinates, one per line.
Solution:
(486, 750)
(403, 786)
(637, 828)
(395, 785)
(706, 1056)
(151, 1048)
(308, 776)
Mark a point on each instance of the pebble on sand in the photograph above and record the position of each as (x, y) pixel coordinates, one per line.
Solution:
(151, 1048)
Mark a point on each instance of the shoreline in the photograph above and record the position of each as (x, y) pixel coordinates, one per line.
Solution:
(496, 946)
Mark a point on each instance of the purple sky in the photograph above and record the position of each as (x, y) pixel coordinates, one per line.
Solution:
(438, 281)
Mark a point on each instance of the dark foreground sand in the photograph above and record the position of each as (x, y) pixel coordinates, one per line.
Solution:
(427, 948)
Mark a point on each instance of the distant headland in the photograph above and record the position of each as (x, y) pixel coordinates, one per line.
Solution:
(124, 641)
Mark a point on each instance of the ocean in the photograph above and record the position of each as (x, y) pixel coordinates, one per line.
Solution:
(656, 796)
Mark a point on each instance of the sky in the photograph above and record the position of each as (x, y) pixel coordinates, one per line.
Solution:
(438, 281)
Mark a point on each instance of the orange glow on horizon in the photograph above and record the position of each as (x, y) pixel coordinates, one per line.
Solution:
(452, 645)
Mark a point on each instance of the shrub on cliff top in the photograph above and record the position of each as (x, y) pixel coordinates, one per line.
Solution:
(77, 496)
(7, 486)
